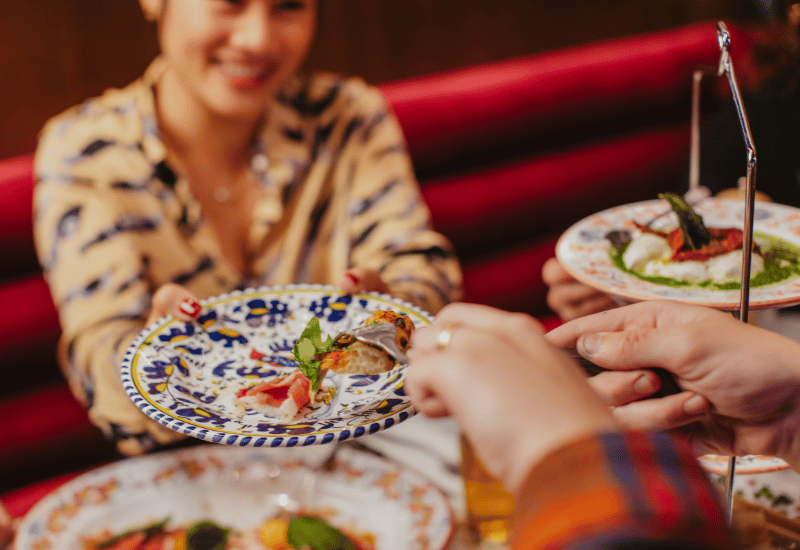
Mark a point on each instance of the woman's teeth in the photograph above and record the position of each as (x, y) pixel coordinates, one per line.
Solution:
(244, 71)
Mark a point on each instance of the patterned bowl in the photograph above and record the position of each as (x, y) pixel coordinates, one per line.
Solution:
(763, 480)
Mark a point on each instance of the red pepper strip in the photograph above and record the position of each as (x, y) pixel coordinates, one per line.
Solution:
(722, 242)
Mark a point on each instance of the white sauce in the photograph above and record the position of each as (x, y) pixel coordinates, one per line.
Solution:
(645, 247)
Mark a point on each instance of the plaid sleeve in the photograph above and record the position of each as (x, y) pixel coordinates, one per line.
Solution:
(623, 490)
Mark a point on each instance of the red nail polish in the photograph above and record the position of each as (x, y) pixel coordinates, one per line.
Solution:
(190, 307)
(352, 278)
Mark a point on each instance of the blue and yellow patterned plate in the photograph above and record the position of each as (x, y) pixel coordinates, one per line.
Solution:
(186, 375)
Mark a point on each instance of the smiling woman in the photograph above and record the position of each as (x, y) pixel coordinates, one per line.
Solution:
(224, 167)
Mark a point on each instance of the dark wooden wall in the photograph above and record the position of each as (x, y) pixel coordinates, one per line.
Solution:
(55, 53)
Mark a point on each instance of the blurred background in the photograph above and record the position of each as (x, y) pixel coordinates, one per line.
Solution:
(56, 53)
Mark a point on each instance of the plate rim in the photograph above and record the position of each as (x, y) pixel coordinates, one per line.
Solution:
(765, 303)
(50, 501)
(206, 433)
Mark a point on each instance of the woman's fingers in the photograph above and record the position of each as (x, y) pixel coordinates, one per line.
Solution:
(553, 273)
(569, 298)
(665, 413)
(620, 388)
(523, 329)
(175, 300)
(581, 308)
(362, 279)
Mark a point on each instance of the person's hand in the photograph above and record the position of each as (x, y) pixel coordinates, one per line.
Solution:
(6, 527)
(749, 377)
(516, 397)
(175, 300)
(362, 279)
(567, 297)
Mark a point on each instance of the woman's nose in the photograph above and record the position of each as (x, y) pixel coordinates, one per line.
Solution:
(252, 30)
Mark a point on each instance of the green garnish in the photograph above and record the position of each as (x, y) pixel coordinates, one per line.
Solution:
(306, 350)
(695, 232)
(206, 535)
(317, 534)
(149, 530)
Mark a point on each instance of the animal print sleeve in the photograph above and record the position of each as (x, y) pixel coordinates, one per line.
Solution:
(390, 223)
(86, 246)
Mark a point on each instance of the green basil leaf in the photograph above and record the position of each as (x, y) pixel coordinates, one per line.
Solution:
(317, 534)
(305, 350)
(695, 232)
(308, 349)
(150, 529)
(206, 535)
(311, 371)
(312, 332)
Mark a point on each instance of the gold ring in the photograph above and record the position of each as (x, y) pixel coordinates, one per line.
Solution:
(444, 337)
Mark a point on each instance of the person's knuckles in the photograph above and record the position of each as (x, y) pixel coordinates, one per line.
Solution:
(520, 323)
(621, 388)
(552, 272)
(614, 349)
(423, 342)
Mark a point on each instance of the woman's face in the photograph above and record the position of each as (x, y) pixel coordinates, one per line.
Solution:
(231, 56)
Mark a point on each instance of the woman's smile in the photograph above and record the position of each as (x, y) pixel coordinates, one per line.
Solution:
(247, 75)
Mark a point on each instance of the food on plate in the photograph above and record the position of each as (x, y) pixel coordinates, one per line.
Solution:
(352, 356)
(280, 397)
(285, 531)
(695, 254)
(285, 396)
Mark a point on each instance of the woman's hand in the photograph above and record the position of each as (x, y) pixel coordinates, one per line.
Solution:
(567, 297)
(749, 377)
(515, 396)
(362, 279)
(175, 300)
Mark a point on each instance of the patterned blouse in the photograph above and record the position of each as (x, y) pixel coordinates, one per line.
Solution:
(113, 222)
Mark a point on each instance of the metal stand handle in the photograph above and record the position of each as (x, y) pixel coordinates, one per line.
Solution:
(726, 67)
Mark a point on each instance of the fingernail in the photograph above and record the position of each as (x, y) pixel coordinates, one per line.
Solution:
(643, 385)
(352, 278)
(590, 343)
(694, 404)
(190, 307)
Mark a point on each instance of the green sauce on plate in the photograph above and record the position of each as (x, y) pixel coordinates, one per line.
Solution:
(781, 263)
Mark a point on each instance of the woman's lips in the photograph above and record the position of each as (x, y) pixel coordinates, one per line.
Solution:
(245, 75)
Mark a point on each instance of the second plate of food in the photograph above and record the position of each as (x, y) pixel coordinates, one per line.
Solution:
(586, 253)
(195, 378)
(237, 498)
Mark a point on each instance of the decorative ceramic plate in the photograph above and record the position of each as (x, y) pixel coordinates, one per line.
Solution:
(240, 488)
(750, 464)
(764, 480)
(186, 375)
(584, 252)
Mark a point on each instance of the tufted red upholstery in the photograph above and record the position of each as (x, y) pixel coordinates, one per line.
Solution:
(509, 154)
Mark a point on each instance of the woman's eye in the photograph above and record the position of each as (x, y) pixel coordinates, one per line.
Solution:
(290, 5)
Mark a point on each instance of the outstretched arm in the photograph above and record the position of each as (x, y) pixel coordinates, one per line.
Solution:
(580, 481)
(748, 377)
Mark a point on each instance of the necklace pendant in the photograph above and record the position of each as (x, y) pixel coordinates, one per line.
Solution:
(221, 193)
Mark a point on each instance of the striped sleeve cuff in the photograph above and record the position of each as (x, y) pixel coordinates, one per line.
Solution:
(620, 490)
